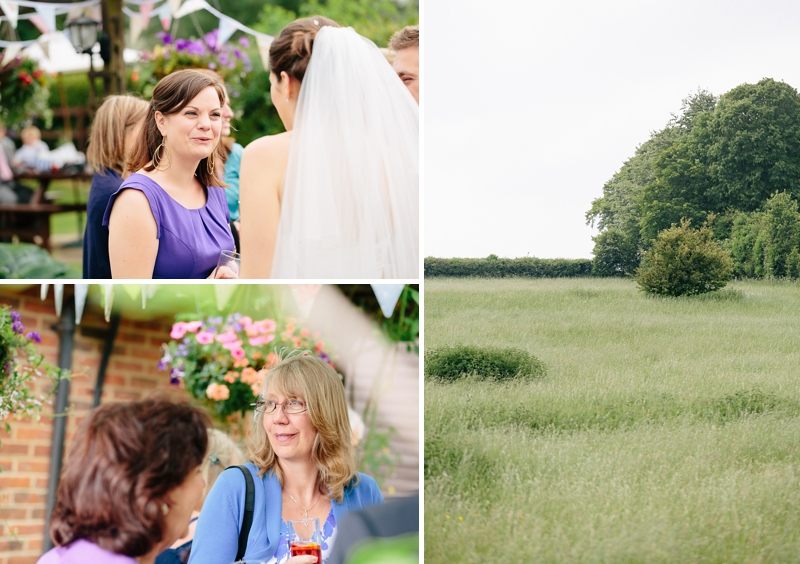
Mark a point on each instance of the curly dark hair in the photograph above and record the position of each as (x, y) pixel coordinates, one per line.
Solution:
(126, 458)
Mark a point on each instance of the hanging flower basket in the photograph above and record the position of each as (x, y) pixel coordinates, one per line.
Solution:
(24, 94)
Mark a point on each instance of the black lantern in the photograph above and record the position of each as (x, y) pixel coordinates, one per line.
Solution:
(83, 34)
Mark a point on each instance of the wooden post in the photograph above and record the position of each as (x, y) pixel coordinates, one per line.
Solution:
(114, 25)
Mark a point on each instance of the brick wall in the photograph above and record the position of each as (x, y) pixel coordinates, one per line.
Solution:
(25, 452)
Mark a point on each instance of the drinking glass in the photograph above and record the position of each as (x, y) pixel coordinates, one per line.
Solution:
(305, 538)
(228, 265)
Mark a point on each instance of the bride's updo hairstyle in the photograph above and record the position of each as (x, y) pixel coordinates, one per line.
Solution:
(290, 52)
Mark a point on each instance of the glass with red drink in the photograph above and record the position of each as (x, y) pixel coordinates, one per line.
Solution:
(305, 538)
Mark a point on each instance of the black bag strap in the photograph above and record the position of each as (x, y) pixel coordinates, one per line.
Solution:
(249, 507)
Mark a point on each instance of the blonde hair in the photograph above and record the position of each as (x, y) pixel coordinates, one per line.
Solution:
(30, 132)
(314, 381)
(222, 452)
(405, 38)
(115, 116)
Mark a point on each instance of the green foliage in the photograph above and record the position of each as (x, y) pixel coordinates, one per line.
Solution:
(615, 254)
(26, 260)
(255, 103)
(24, 94)
(529, 267)
(374, 19)
(454, 362)
(684, 262)
(767, 242)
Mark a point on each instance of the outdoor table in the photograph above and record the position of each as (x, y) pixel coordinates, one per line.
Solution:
(31, 222)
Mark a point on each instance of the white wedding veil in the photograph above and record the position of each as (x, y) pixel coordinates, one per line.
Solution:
(351, 195)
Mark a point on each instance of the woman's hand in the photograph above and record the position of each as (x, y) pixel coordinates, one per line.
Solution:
(223, 272)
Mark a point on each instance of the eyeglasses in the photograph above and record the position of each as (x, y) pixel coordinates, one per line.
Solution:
(291, 407)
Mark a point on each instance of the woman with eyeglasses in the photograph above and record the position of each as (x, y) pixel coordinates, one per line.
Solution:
(303, 467)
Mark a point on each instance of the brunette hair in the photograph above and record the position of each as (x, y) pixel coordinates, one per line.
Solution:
(170, 96)
(115, 116)
(127, 457)
(405, 38)
(290, 52)
(315, 382)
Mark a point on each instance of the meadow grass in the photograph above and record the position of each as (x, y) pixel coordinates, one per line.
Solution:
(664, 430)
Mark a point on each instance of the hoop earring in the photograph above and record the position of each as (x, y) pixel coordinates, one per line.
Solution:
(158, 155)
(210, 164)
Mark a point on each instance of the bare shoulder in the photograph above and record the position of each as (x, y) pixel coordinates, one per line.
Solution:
(132, 197)
(269, 146)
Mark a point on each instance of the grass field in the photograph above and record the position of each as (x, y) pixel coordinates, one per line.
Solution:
(665, 430)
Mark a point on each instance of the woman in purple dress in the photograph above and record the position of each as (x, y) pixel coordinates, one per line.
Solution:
(130, 484)
(170, 218)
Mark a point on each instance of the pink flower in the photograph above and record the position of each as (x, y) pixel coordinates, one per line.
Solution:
(305, 333)
(272, 359)
(267, 325)
(250, 376)
(233, 345)
(246, 322)
(241, 363)
(319, 346)
(204, 337)
(231, 376)
(256, 389)
(227, 337)
(218, 392)
(262, 340)
(193, 326)
(238, 353)
(178, 330)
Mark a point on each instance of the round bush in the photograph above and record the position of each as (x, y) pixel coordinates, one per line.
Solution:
(452, 363)
(684, 262)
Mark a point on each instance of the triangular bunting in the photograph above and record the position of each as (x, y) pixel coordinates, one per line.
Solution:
(108, 300)
(174, 5)
(48, 14)
(263, 49)
(11, 10)
(190, 6)
(166, 16)
(44, 44)
(58, 290)
(144, 296)
(135, 28)
(43, 291)
(81, 290)
(9, 53)
(39, 22)
(304, 295)
(144, 11)
(227, 28)
(223, 293)
(387, 295)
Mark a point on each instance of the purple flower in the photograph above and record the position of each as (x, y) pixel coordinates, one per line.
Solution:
(34, 336)
(182, 44)
(165, 37)
(196, 47)
(18, 327)
(212, 66)
(237, 53)
(15, 316)
(211, 39)
(176, 373)
(237, 326)
(325, 357)
(235, 94)
(214, 320)
(162, 365)
(174, 380)
(8, 366)
(244, 42)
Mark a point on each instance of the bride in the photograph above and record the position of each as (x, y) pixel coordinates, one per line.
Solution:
(337, 194)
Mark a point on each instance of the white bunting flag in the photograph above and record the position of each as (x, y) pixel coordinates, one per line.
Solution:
(304, 295)
(166, 17)
(43, 291)
(81, 290)
(48, 14)
(387, 295)
(58, 289)
(190, 6)
(9, 53)
(174, 5)
(263, 49)
(135, 27)
(145, 10)
(44, 44)
(108, 300)
(11, 10)
(227, 28)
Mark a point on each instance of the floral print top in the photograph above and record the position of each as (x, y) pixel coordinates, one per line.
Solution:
(328, 537)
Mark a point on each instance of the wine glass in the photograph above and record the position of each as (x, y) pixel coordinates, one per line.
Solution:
(228, 265)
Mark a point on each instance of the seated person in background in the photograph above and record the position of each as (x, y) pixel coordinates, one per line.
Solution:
(8, 193)
(32, 148)
(405, 44)
(222, 452)
(130, 483)
(116, 127)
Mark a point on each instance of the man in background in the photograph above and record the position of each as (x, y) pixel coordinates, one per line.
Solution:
(405, 44)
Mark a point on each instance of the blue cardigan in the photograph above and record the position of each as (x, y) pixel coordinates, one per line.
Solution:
(216, 537)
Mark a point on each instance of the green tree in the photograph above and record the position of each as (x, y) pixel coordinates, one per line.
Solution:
(684, 261)
(615, 254)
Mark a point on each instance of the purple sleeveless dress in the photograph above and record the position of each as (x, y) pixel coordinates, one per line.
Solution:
(190, 241)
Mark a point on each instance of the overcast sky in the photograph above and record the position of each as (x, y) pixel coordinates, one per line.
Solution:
(531, 106)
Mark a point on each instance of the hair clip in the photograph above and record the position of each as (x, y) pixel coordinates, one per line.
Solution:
(214, 457)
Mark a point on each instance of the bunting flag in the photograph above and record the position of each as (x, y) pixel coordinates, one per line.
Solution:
(44, 44)
(387, 295)
(223, 293)
(174, 5)
(166, 17)
(227, 28)
(135, 28)
(39, 22)
(304, 296)
(43, 291)
(145, 10)
(48, 15)
(81, 291)
(108, 300)
(58, 290)
(11, 10)
(9, 53)
(263, 49)
(190, 6)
